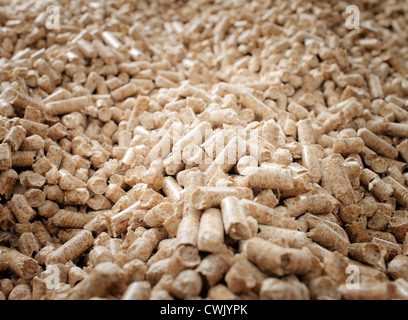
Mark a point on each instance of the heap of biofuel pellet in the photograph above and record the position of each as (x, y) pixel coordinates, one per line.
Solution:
(203, 150)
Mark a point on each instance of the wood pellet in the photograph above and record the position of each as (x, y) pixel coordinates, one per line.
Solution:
(203, 150)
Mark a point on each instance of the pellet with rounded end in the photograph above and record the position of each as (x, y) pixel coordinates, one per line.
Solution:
(187, 284)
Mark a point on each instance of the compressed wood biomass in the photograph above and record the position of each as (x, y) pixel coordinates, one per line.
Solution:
(203, 150)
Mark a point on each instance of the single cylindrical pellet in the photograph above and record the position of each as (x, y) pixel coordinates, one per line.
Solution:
(187, 284)
(211, 231)
(270, 177)
(339, 181)
(72, 249)
(234, 219)
(124, 92)
(306, 134)
(70, 219)
(267, 198)
(172, 189)
(311, 160)
(348, 145)
(67, 106)
(322, 203)
(5, 157)
(243, 277)
(188, 229)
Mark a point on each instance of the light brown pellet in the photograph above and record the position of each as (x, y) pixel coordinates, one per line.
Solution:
(21, 101)
(33, 143)
(329, 238)
(137, 291)
(18, 263)
(275, 289)
(68, 106)
(143, 247)
(5, 157)
(78, 196)
(348, 145)
(48, 209)
(234, 219)
(28, 244)
(294, 239)
(267, 197)
(268, 216)
(211, 232)
(243, 277)
(258, 107)
(369, 253)
(187, 284)
(305, 132)
(188, 228)
(270, 257)
(70, 219)
(155, 217)
(184, 257)
(339, 181)
(21, 208)
(311, 160)
(72, 249)
(126, 91)
(22, 158)
(172, 189)
(15, 137)
(377, 144)
(8, 178)
(211, 197)
(21, 292)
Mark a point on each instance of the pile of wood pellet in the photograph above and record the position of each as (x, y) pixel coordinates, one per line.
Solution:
(209, 149)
